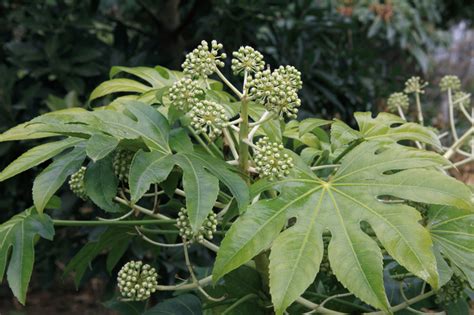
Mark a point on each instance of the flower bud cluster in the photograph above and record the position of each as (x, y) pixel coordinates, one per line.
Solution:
(76, 183)
(185, 93)
(270, 161)
(207, 230)
(208, 117)
(450, 82)
(452, 291)
(415, 85)
(277, 90)
(137, 281)
(121, 164)
(247, 59)
(397, 100)
(204, 60)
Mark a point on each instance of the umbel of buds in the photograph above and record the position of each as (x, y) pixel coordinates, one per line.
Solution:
(247, 59)
(398, 100)
(121, 164)
(204, 60)
(185, 93)
(207, 230)
(450, 82)
(452, 291)
(76, 183)
(277, 90)
(415, 85)
(270, 161)
(208, 117)
(137, 281)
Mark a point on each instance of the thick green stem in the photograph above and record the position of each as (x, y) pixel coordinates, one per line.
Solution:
(99, 223)
(243, 134)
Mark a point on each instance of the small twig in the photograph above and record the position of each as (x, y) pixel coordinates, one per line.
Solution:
(126, 215)
(227, 82)
(327, 300)
(149, 240)
(451, 115)
(231, 144)
(193, 276)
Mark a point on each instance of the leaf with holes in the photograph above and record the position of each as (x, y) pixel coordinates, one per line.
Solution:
(355, 194)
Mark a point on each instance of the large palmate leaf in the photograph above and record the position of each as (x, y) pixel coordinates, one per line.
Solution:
(19, 234)
(133, 120)
(452, 230)
(383, 127)
(115, 240)
(36, 156)
(355, 193)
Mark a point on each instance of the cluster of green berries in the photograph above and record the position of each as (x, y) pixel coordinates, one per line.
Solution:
(452, 291)
(204, 60)
(185, 93)
(247, 59)
(415, 85)
(277, 90)
(76, 183)
(270, 161)
(207, 230)
(137, 281)
(208, 117)
(398, 100)
(450, 82)
(121, 164)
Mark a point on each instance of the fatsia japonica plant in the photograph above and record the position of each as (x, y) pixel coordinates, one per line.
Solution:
(304, 216)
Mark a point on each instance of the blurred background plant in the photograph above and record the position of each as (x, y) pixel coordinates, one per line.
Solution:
(352, 55)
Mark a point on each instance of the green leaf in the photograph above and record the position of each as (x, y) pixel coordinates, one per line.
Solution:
(36, 156)
(148, 168)
(355, 193)
(201, 189)
(126, 308)
(186, 304)
(385, 126)
(137, 121)
(112, 238)
(19, 234)
(150, 75)
(452, 230)
(180, 141)
(225, 173)
(100, 145)
(51, 178)
(118, 85)
(309, 124)
(101, 184)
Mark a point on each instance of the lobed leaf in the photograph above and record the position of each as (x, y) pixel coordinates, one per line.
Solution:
(355, 193)
(100, 145)
(101, 184)
(19, 234)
